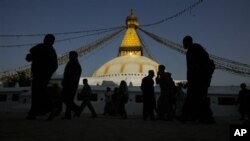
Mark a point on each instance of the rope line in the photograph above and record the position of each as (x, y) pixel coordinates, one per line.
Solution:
(221, 63)
(58, 33)
(62, 59)
(175, 15)
(61, 40)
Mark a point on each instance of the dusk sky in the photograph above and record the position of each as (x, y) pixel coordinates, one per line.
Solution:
(220, 26)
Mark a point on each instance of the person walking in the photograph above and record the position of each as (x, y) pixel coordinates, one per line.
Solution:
(70, 84)
(200, 69)
(86, 98)
(166, 99)
(44, 63)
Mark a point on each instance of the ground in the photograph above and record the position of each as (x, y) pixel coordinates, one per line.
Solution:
(13, 127)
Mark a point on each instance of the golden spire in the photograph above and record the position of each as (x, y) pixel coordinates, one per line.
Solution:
(131, 44)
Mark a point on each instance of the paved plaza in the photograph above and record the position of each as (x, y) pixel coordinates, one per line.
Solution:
(14, 127)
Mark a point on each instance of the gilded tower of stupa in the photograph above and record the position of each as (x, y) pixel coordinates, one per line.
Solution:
(130, 65)
(131, 44)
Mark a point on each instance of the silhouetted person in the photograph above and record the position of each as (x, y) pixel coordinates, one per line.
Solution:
(44, 64)
(166, 99)
(149, 103)
(244, 101)
(199, 73)
(123, 98)
(86, 98)
(70, 83)
(108, 101)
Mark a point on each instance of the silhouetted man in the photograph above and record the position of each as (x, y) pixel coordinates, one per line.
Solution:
(244, 101)
(44, 64)
(86, 98)
(70, 83)
(199, 73)
(166, 100)
(149, 103)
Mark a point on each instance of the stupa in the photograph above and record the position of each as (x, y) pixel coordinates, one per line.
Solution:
(130, 65)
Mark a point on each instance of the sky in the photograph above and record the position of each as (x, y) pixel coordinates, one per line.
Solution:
(220, 26)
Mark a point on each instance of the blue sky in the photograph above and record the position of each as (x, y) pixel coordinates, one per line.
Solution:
(221, 26)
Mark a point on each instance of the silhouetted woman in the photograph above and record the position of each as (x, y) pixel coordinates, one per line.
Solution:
(123, 98)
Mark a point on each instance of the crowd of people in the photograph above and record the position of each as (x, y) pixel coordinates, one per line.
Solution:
(171, 103)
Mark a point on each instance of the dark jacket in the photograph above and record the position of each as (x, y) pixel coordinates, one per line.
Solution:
(199, 65)
(86, 93)
(44, 60)
(72, 74)
(147, 85)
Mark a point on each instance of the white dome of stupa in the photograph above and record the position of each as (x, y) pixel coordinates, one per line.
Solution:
(126, 66)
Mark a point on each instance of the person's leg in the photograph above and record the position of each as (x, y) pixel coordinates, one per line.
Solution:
(75, 108)
(160, 107)
(36, 93)
(144, 110)
(105, 108)
(151, 113)
(123, 111)
(34, 99)
(83, 105)
(68, 110)
(91, 108)
(205, 112)
(169, 108)
(188, 109)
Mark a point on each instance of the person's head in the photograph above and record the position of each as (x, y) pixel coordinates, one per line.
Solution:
(151, 73)
(123, 84)
(243, 86)
(73, 55)
(187, 42)
(161, 69)
(49, 39)
(85, 81)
